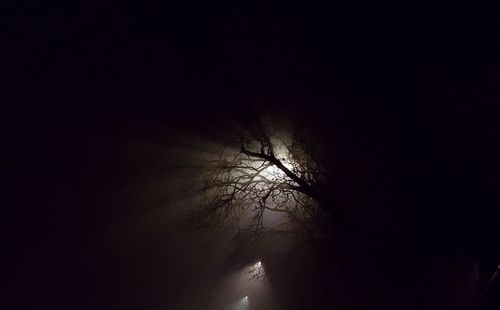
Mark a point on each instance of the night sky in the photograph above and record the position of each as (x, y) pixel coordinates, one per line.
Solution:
(107, 105)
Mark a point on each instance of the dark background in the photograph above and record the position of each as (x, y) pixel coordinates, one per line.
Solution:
(408, 88)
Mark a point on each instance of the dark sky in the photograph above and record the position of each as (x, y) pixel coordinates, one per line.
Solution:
(103, 100)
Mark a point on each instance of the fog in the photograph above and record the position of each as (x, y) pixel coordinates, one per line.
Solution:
(104, 227)
(111, 110)
(110, 219)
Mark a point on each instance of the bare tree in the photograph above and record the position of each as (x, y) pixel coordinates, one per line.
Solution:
(263, 183)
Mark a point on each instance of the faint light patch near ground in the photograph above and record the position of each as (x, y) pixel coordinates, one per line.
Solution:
(246, 289)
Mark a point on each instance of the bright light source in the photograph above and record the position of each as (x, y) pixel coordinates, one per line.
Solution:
(256, 271)
(274, 173)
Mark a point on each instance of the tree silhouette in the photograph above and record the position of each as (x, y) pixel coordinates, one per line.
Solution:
(266, 183)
